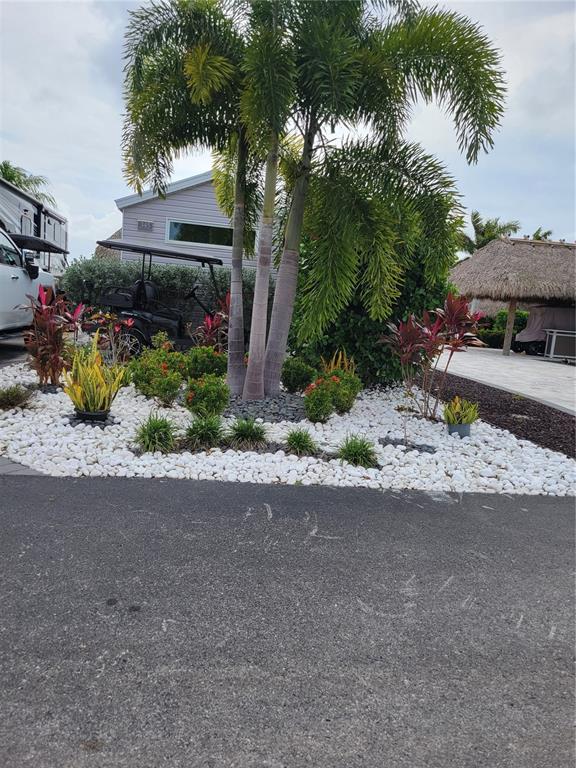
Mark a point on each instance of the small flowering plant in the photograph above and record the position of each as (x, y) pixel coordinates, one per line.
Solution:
(207, 396)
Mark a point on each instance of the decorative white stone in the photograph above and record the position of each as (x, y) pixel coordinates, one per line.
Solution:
(491, 460)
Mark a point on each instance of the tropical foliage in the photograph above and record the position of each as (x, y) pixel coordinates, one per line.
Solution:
(419, 343)
(90, 384)
(459, 411)
(358, 451)
(237, 83)
(157, 433)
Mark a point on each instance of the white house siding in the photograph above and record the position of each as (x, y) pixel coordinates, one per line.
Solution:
(196, 204)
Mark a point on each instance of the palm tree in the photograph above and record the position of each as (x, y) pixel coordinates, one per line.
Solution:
(183, 92)
(267, 98)
(542, 234)
(486, 230)
(356, 69)
(27, 182)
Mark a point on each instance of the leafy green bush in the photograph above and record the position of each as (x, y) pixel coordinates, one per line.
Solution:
(297, 374)
(204, 432)
(358, 334)
(15, 396)
(344, 394)
(494, 339)
(156, 434)
(318, 401)
(247, 434)
(199, 361)
(207, 396)
(358, 451)
(501, 318)
(300, 442)
(158, 373)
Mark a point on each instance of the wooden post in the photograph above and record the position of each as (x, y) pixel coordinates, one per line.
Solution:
(509, 327)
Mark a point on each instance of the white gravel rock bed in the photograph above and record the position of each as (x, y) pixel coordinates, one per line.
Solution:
(493, 460)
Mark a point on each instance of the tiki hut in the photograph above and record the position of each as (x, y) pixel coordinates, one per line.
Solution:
(102, 252)
(519, 270)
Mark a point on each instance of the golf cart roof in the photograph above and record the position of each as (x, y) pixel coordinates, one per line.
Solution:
(38, 244)
(166, 253)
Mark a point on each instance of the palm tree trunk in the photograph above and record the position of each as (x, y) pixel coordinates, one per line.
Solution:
(254, 383)
(236, 369)
(287, 280)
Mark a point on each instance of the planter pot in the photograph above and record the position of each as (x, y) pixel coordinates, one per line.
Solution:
(91, 415)
(460, 429)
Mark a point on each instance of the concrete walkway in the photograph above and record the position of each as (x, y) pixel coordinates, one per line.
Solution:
(550, 383)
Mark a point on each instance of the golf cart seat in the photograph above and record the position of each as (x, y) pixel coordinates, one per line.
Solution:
(145, 294)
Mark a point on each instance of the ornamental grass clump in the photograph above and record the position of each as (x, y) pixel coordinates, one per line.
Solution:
(90, 384)
(204, 432)
(297, 375)
(300, 442)
(15, 396)
(247, 434)
(157, 433)
(207, 396)
(358, 451)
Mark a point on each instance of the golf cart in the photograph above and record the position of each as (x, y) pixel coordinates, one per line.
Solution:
(141, 303)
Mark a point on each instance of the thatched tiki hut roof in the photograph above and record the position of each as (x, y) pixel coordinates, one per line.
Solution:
(514, 270)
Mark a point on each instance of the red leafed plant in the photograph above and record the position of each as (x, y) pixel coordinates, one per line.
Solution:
(113, 342)
(213, 332)
(52, 318)
(419, 344)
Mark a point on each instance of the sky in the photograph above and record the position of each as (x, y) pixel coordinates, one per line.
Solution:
(61, 112)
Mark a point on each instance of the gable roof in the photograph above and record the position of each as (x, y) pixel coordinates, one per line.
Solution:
(524, 269)
(175, 186)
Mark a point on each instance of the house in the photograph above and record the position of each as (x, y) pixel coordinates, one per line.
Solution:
(23, 214)
(187, 219)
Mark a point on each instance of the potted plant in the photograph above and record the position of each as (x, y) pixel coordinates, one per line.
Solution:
(91, 384)
(459, 415)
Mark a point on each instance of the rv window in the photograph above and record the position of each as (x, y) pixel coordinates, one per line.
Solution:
(8, 253)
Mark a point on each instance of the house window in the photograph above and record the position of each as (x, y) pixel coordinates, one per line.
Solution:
(185, 232)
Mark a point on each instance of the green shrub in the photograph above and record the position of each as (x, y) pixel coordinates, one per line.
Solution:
(343, 397)
(156, 434)
(207, 396)
(246, 434)
(202, 360)
(501, 318)
(300, 442)
(297, 374)
(358, 451)
(494, 339)
(158, 373)
(15, 396)
(318, 401)
(204, 432)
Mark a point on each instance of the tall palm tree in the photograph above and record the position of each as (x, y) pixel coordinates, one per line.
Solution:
(266, 101)
(183, 80)
(486, 230)
(357, 69)
(27, 182)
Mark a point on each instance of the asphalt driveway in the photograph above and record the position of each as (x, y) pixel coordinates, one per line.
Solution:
(162, 623)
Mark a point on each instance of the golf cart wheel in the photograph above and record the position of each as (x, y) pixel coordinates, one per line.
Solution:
(131, 344)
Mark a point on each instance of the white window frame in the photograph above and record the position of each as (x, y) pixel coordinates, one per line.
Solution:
(190, 242)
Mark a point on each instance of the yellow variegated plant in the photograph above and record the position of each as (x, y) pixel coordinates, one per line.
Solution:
(90, 383)
(459, 411)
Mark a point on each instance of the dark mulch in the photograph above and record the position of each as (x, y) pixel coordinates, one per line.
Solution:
(525, 418)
